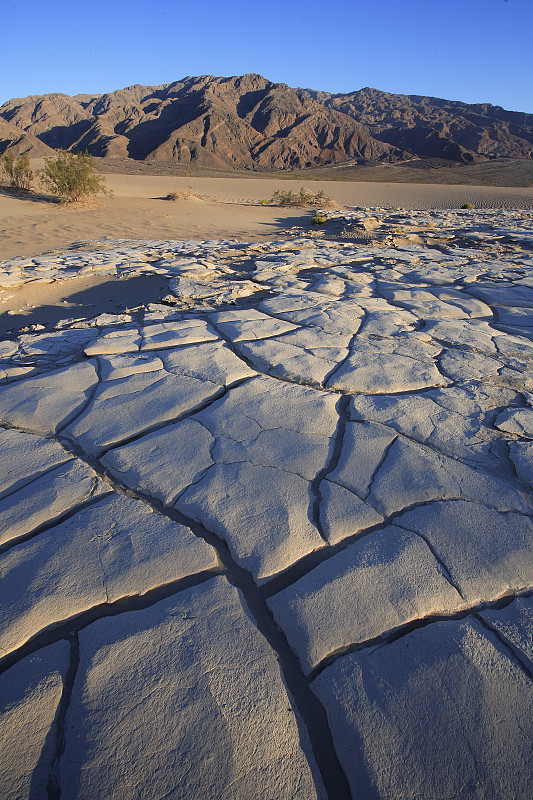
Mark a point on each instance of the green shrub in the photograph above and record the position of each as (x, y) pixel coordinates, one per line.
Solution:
(17, 170)
(320, 199)
(72, 176)
(467, 205)
(303, 199)
(318, 218)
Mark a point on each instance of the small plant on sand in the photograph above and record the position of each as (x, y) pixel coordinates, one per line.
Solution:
(318, 218)
(467, 205)
(17, 170)
(188, 195)
(304, 198)
(72, 177)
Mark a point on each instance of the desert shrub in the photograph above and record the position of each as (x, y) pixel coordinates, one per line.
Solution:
(188, 195)
(320, 199)
(318, 218)
(304, 198)
(467, 205)
(17, 170)
(72, 177)
(289, 198)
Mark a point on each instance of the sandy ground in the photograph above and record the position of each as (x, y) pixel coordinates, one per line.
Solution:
(47, 303)
(219, 208)
(231, 209)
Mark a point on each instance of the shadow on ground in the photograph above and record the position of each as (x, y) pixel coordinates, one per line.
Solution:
(112, 296)
(31, 197)
(283, 223)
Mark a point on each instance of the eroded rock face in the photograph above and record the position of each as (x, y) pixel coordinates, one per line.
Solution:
(221, 501)
(248, 120)
(243, 122)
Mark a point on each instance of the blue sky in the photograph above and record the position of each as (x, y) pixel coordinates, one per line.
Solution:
(469, 50)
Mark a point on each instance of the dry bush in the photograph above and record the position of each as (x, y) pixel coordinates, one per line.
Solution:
(173, 196)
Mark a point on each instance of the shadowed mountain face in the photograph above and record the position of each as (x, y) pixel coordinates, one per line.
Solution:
(248, 122)
(431, 127)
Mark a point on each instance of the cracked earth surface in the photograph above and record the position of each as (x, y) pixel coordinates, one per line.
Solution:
(273, 537)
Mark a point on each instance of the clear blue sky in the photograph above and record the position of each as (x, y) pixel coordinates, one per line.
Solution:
(470, 50)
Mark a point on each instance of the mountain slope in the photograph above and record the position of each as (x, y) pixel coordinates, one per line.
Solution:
(21, 142)
(249, 122)
(431, 127)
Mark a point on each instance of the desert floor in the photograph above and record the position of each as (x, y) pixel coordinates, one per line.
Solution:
(230, 208)
(218, 208)
(266, 495)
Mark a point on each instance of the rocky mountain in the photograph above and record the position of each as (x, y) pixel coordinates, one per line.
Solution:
(431, 127)
(20, 141)
(249, 122)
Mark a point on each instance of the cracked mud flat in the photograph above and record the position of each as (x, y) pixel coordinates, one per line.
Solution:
(273, 537)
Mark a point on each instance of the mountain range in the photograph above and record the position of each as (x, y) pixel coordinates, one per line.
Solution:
(248, 122)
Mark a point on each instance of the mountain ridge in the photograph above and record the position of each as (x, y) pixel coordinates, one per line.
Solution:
(249, 122)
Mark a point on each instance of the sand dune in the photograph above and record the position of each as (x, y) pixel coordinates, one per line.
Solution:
(231, 209)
